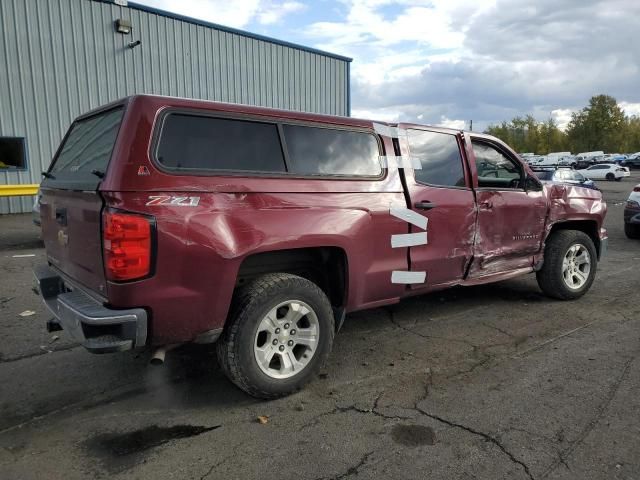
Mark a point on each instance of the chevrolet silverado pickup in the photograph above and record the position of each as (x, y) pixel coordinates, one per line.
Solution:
(170, 220)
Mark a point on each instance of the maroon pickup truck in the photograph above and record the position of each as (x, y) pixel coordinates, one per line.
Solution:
(170, 220)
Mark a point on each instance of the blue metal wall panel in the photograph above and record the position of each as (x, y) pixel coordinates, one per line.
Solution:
(60, 58)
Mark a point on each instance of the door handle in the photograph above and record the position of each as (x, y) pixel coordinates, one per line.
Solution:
(61, 216)
(426, 205)
(486, 205)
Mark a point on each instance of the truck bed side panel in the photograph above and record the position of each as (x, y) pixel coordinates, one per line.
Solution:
(200, 250)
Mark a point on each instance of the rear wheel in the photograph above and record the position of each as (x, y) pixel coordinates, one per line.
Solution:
(632, 231)
(610, 176)
(570, 262)
(279, 334)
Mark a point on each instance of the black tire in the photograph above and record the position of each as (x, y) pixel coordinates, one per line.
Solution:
(632, 231)
(235, 348)
(550, 276)
(619, 179)
(610, 176)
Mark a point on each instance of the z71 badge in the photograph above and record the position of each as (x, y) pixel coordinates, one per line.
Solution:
(173, 201)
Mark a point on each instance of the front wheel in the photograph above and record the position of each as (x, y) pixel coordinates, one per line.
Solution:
(278, 336)
(570, 263)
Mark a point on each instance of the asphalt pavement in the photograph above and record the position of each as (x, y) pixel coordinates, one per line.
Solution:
(487, 382)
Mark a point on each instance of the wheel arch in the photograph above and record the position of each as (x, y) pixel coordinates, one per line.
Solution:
(590, 227)
(326, 266)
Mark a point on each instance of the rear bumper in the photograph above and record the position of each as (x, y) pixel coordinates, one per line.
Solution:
(99, 329)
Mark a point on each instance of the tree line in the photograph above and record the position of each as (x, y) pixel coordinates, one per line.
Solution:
(601, 125)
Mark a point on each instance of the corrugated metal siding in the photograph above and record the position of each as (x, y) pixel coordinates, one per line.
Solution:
(60, 58)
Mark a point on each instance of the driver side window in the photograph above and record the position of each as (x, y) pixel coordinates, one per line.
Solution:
(496, 170)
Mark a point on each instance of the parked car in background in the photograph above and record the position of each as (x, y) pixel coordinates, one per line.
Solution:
(534, 159)
(632, 214)
(586, 159)
(616, 158)
(632, 161)
(565, 175)
(605, 171)
(555, 159)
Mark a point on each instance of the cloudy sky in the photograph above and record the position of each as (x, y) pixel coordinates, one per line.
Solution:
(448, 61)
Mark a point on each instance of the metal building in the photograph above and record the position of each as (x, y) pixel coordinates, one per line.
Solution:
(60, 58)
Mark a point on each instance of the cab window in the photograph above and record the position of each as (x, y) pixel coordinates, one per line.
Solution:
(439, 156)
(495, 169)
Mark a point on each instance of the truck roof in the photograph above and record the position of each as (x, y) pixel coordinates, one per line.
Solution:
(160, 101)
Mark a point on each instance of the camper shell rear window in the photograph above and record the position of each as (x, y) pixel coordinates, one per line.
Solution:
(89, 143)
(83, 157)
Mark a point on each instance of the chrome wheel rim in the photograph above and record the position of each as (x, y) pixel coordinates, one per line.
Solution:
(286, 339)
(576, 266)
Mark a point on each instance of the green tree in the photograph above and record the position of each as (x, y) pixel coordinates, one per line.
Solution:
(631, 142)
(526, 134)
(599, 126)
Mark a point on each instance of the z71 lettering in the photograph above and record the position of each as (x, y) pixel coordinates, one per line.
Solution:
(173, 201)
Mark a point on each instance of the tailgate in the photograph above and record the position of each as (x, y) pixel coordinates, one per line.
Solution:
(71, 205)
(71, 232)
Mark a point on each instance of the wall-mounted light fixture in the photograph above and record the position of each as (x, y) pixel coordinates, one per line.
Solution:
(123, 26)
(134, 44)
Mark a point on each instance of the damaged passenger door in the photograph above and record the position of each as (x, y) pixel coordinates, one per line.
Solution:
(510, 218)
(441, 191)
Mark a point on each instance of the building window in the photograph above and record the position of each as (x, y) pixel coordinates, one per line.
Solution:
(13, 153)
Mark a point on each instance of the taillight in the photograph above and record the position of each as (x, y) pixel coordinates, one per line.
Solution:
(636, 188)
(126, 242)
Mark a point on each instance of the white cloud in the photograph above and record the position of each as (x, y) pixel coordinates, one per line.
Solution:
(457, 124)
(273, 13)
(631, 109)
(545, 58)
(381, 115)
(237, 13)
(388, 47)
(562, 117)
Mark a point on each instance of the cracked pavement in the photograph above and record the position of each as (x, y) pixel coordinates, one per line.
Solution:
(487, 382)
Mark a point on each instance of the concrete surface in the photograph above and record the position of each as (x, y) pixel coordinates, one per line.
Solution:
(486, 382)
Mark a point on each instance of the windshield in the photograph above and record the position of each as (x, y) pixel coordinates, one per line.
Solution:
(88, 145)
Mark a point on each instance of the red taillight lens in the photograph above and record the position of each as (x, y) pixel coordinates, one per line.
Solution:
(636, 188)
(126, 241)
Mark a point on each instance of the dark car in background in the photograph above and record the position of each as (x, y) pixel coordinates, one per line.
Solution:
(565, 175)
(632, 161)
(632, 214)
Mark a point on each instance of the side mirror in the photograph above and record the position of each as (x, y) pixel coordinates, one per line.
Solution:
(532, 184)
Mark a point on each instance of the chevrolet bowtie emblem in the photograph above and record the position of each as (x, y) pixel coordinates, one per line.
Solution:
(63, 238)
